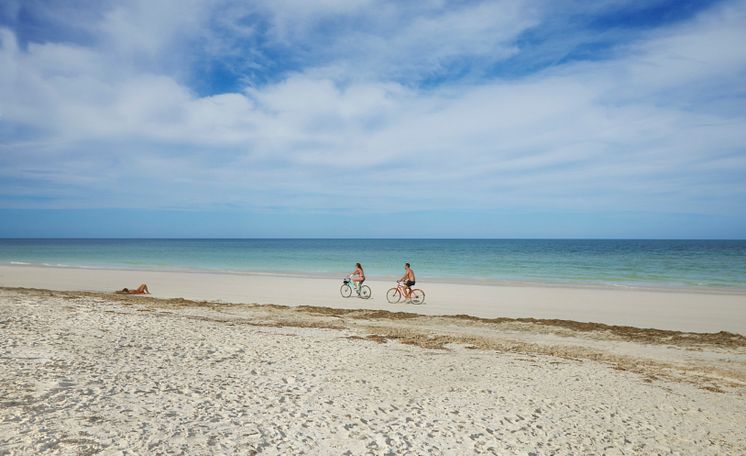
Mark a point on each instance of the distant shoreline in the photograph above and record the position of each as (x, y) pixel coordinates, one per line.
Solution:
(680, 310)
(662, 288)
(697, 266)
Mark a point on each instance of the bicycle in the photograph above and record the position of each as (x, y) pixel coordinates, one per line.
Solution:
(363, 291)
(394, 295)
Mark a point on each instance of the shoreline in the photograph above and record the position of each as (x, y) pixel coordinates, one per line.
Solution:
(669, 310)
(662, 288)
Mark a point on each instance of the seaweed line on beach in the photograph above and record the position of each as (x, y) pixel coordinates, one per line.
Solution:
(442, 332)
(645, 335)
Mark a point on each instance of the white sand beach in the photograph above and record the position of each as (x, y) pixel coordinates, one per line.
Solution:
(90, 373)
(255, 364)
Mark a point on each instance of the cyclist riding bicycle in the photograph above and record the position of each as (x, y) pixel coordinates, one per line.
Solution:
(358, 277)
(408, 280)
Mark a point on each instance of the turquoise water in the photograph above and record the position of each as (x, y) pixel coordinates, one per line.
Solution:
(718, 264)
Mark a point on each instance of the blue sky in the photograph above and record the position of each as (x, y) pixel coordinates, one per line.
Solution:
(360, 118)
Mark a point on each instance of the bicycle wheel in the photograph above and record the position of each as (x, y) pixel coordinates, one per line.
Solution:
(346, 291)
(393, 296)
(417, 296)
(365, 292)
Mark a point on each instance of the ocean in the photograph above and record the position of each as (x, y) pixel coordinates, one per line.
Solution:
(644, 263)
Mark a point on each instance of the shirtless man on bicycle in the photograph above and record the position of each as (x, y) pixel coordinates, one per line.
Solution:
(407, 280)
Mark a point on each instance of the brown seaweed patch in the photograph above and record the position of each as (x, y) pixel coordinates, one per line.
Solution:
(367, 314)
(290, 323)
(712, 388)
(648, 369)
(384, 314)
(372, 337)
(631, 333)
(377, 338)
(425, 340)
(329, 311)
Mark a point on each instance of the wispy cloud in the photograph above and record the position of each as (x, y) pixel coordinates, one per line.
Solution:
(303, 105)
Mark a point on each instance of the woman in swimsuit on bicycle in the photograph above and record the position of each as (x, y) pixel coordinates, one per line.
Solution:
(358, 276)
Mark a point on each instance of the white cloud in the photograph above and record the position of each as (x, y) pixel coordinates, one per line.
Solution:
(697, 55)
(145, 32)
(604, 134)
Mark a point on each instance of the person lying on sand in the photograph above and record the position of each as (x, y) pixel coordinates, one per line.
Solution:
(142, 289)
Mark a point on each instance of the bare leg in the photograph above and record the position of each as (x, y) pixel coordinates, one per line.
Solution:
(143, 288)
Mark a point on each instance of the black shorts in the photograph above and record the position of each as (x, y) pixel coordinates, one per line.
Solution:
(409, 283)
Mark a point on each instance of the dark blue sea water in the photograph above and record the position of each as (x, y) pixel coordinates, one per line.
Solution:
(708, 264)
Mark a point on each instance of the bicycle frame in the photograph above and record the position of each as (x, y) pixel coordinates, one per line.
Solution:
(403, 288)
(355, 284)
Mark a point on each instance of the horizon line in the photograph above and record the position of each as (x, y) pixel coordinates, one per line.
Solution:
(289, 238)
